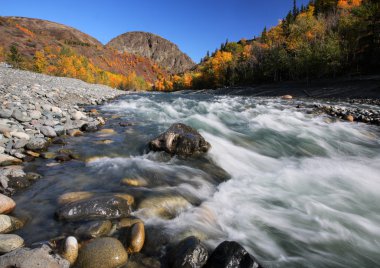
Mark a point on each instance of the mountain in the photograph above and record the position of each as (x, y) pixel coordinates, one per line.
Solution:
(56, 49)
(154, 47)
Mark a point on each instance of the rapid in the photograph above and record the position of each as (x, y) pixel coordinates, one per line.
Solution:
(294, 188)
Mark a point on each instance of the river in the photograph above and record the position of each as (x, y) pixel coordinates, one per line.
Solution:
(295, 189)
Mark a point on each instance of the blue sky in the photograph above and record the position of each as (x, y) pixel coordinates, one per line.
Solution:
(196, 26)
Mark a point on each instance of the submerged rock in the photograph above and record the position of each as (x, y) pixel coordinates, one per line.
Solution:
(189, 253)
(163, 206)
(139, 260)
(33, 258)
(73, 196)
(104, 252)
(94, 229)
(287, 97)
(104, 207)
(180, 139)
(231, 254)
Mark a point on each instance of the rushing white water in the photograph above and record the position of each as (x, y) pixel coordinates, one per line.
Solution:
(304, 190)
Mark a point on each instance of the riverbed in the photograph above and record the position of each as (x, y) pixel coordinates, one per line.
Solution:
(294, 188)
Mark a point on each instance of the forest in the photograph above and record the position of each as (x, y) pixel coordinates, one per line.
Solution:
(325, 39)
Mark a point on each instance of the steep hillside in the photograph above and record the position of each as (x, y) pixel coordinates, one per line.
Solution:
(53, 48)
(154, 47)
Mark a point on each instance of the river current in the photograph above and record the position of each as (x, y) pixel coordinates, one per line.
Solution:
(294, 188)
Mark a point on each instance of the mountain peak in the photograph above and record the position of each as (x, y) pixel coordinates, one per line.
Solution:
(161, 50)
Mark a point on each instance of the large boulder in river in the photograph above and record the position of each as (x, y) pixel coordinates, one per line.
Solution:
(231, 254)
(189, 253)
(33, 258)
(96, 208)
(180, 139)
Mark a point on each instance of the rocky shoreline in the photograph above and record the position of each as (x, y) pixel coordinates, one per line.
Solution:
(36, 109)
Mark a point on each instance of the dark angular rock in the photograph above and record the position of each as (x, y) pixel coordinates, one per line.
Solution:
(63, 158)
(230, 254)
(181, 140)
(18, 182)
(96, 208)
(189, 253)
(90, 127)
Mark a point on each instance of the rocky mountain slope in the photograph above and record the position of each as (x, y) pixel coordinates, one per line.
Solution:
(56, 40)
(154, 47)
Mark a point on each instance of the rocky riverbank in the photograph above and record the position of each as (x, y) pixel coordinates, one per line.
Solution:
(36, 109)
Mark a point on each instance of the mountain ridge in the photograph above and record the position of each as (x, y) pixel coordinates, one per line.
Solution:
(150, 45)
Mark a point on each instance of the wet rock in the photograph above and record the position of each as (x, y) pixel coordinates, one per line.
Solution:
(189, 253)
(37, 144)
(231, 254)
(74, 133)
(349, 118)
(59, 141)
(63, 158)
(32, 176)
(103, 207)
(127, 197)
(48, 131)
(9, 224)
(107, 131)
(139, 260)
(70, 251)
(33, 258)
(138, 182)
(287, 97)
(104, 142)
(48, 155)
(7, 160)
(94, 229)
(155, 241)
(73, 197)
(166, 207)
(181, 140)
(31, 153)
(135, 238)
(127, 222)
(104, 252)
(19, 182)
(89, 127)
(9, 242)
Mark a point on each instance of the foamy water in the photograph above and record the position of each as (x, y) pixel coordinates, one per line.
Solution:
(295, 189)
(304, 190)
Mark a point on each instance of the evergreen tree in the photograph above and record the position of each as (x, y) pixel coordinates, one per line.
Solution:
(14, 57)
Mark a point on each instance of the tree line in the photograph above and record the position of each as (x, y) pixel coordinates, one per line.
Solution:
(326, 38)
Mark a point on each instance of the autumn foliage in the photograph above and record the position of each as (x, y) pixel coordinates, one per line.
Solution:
(323, 39)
